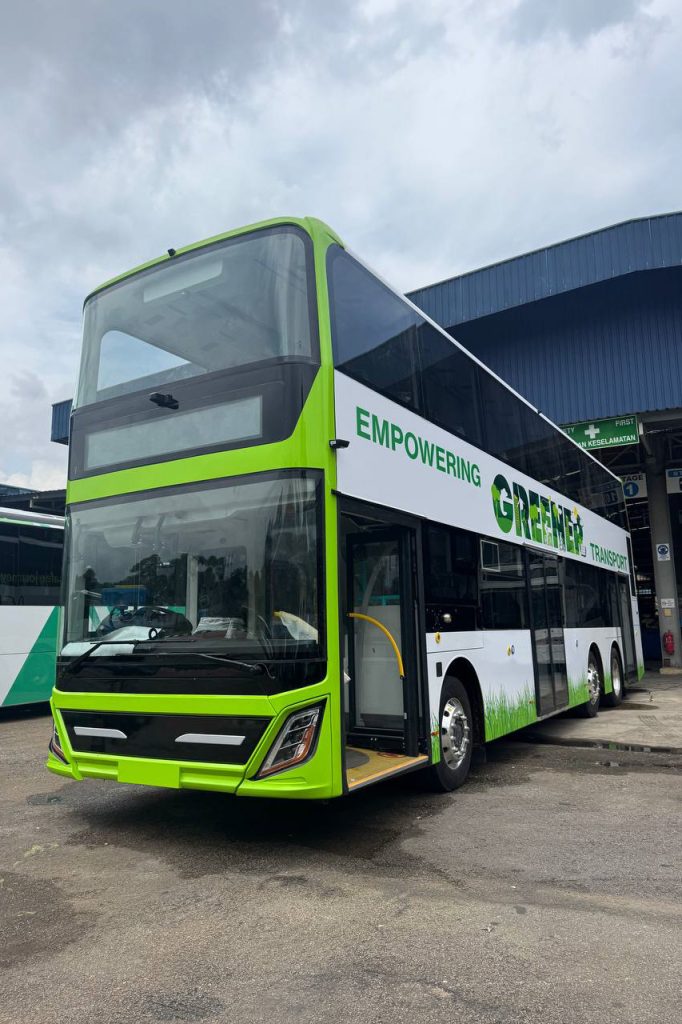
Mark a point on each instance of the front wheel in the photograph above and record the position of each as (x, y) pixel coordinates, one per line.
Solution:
(594, 685)
(456, 736)
(613, 699)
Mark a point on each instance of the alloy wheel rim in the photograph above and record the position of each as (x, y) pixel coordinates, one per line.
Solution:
(616, 681)
(593, 682)
(455, 733)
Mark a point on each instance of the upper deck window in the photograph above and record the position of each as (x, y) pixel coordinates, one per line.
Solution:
(242, 302)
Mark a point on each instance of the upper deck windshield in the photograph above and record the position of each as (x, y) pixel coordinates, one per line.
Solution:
(244, 301)
(231, 569)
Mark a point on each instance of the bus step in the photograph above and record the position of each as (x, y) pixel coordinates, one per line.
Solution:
(366, 766)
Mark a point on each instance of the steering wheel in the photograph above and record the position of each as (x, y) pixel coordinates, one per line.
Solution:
(153, 615)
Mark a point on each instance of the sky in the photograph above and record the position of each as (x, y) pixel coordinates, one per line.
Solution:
(434, 136)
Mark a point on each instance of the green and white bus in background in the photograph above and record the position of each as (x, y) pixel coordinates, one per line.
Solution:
(312, 542)
(31, 547)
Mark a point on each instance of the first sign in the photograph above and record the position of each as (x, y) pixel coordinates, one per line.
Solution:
(604, 433)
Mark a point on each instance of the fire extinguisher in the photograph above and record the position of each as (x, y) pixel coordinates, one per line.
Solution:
(668, 643)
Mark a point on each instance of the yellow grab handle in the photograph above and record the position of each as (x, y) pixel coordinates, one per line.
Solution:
(380, 625)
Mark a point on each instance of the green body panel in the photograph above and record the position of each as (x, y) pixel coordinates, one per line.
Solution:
(317, 777)
(307, 447)
(36, 677)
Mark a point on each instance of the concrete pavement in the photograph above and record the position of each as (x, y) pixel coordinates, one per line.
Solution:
(649, 719)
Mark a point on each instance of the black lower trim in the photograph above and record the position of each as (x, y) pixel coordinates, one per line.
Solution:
(148, 674)
(156, 736)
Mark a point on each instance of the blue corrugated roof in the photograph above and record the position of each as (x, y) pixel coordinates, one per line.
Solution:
(587, 328)
(61, 415)
(650, 243)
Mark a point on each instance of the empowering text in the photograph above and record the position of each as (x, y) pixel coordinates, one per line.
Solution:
(390, 435)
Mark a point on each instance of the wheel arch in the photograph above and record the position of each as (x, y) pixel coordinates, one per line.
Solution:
(594, 649)
(615, 646)
(462, 669)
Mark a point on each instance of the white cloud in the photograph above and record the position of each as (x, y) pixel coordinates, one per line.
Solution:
(434, 138)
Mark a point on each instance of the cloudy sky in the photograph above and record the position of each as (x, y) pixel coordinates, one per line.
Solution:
(434, 135)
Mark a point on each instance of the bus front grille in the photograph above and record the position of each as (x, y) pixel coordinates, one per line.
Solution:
(217, 739)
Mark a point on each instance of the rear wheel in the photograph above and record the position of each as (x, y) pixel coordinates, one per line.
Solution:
(613, 699)
(594, 687)
(456, 735)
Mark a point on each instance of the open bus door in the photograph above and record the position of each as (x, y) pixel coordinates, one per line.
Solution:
(382, 677)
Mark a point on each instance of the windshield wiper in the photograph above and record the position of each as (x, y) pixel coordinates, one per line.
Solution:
(73, 665)
(258, 668)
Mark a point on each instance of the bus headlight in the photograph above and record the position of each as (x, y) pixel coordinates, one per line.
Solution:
(295, 741)
(55, 746)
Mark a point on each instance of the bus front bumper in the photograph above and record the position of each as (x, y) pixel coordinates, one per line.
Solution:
(91, 752)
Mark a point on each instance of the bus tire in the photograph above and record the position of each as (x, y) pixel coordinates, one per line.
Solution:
(594, 685)
(456, 737)
(613, 699)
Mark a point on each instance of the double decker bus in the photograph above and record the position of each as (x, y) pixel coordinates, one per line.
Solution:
(30, 573)
(312, 542)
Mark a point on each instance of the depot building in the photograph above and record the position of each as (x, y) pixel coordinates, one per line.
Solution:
(590, 331)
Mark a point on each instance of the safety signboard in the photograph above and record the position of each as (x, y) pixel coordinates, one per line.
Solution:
(604, 433)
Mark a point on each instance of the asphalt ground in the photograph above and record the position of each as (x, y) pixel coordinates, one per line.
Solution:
(548, 889)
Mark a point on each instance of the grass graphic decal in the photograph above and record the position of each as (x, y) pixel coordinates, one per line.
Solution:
(503, 715)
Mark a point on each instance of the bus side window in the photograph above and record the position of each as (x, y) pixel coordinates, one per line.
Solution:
(504, 601)
(450, 384)
(9, 562)
(450, 579)
(373, 331)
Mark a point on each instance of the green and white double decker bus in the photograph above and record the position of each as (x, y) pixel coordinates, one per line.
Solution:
(30, 573)
(312, 542)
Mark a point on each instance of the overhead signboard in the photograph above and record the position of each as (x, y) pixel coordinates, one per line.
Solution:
(634, 486)
(607, 433)
(673, 481)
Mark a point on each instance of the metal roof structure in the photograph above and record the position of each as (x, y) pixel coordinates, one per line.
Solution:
(61, 415)
(586, 328)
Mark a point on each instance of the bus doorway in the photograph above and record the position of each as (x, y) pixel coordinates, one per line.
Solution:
(382, 683)
(551, 679)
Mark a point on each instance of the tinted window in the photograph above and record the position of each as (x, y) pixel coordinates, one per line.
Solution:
(247, 300)
(504, 603)
(30, 564)
(450, 578)
(373, 331)
(543, 450)
(450, 385)
(504, 428)
(591, 596)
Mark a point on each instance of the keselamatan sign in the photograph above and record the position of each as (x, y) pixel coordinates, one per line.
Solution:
(400, 460)
(607, 433)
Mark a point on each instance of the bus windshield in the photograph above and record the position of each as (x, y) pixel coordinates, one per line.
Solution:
(232, 568)
(241, 302)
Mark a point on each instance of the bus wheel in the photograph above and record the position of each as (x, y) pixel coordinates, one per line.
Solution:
(591, 707)
(456, 737)
(613, 699)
